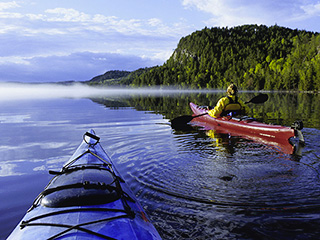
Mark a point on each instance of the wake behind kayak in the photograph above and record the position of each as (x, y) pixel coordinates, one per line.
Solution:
(86, 199)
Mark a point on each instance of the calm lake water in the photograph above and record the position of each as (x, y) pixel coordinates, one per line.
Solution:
(193, 184)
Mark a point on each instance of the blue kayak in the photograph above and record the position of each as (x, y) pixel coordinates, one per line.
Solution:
(86, 199)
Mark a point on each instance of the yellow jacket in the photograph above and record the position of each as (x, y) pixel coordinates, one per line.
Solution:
(225, 105)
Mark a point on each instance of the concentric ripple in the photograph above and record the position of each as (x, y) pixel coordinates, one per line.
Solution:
(223, 188)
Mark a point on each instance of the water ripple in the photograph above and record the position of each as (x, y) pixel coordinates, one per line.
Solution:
(193, 175)
(193, 185)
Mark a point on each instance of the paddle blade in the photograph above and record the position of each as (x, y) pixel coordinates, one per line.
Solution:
(261, 98)
(180, 121)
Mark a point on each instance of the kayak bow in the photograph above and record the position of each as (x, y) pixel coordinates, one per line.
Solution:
(86, 199)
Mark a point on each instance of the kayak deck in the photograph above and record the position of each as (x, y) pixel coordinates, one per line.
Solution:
(86, 199)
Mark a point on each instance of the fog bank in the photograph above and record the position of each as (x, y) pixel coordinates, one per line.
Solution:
(16, 91)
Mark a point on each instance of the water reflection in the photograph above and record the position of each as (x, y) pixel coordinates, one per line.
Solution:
(222, 187)
(193, 183)
(281, 108)
(218, 186)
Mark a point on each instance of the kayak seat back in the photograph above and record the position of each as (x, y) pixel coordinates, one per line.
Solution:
(80, 188)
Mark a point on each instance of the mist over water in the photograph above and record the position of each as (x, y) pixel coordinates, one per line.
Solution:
(17, 91)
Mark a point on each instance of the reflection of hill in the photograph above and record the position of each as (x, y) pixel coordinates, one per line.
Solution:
(170, 106)
(110, 103)
(281, 108)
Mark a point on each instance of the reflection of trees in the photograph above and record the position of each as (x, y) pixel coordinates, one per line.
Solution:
(286, 108)
(111, 102)
(281, 108)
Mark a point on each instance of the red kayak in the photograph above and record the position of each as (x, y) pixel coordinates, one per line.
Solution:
(249, 128)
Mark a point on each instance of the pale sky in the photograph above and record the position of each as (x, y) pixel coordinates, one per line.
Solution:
(61, 40)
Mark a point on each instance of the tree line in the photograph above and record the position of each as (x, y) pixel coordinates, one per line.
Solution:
(254, 57)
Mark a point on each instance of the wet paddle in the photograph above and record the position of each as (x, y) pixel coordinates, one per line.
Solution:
(181, 121)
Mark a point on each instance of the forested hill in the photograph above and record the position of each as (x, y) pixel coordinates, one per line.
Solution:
(252, 56)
